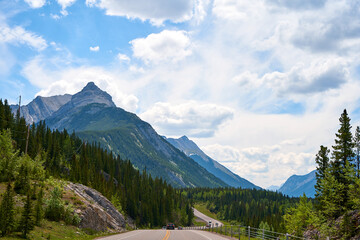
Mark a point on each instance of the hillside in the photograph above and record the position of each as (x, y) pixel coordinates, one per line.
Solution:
(297, 185)
(192, 150)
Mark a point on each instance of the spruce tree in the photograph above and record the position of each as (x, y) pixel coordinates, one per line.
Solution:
(27, 221)
(39, 212)
(7, 221)
(22, 183)
(357, 149)
(343, 148)
(322, 161)
(342, 158)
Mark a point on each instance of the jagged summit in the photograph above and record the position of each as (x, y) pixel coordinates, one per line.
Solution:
(90, 86)
(41, 107)
(92, 94)
(184, 137)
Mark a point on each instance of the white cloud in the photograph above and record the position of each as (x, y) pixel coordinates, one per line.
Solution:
(55, 77)
(123, 57)
(164, 46)
(237, 10)
(36, 3)
(95, 49)
(322, 75)
(157, 11)
(190, 118)
(300, 4)
(19, 35)
(263, 166)
(64, 4)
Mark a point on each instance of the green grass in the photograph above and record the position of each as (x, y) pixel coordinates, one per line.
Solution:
(201, 207)
(56, 231)
(50, 229)
(198, 222)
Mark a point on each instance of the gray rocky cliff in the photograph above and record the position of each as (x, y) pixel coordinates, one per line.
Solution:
(97, 212)
(41, 107)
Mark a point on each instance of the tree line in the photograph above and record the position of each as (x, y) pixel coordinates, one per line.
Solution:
(335, 211)
(148, 201)
(248, 207)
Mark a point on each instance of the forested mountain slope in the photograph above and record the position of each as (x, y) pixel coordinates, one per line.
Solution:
(94, 117)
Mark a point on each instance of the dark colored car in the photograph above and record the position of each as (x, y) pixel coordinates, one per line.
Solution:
(170, 226)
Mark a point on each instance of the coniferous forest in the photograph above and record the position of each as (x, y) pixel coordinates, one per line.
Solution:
(247, 207)
(149, 201)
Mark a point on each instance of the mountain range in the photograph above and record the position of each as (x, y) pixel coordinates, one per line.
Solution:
(94, 117)
(193, 151)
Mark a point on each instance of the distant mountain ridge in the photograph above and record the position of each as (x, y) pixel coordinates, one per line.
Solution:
(41, 107)
(192, 150)
(95, 118)
(297, 185)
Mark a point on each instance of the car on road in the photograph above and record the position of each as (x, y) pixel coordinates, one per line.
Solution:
(170, 226)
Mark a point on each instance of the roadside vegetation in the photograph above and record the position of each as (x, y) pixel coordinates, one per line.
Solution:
(334, 213)
(246, 207)
(336, 209)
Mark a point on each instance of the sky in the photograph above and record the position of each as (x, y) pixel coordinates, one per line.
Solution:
(259, 85)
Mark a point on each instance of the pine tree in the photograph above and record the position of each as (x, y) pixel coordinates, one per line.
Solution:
(8, 156)
(342, 157)
(27, 221)
(343, 148)
(357, 149)
(22, 183)
(39, 212)
(7, 221)
(322, 161)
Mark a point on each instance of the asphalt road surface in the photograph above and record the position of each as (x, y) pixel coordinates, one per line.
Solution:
(206, 218)
(166, 235)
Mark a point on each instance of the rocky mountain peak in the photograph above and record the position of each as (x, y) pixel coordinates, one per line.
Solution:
(92, 94)
(90, 86)
(184, 138)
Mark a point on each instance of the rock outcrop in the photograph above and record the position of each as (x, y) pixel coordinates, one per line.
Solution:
(97, 212)
(41, 107)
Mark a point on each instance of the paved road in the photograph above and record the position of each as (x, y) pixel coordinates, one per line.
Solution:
(165, 235)
(206, 218)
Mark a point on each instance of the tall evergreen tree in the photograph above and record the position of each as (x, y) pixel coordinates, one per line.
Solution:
(342, 158)
(357, 149)
(322, 161)
(39, 212)
(22, 182)
(27, 221)
(343, 148)
(8, 156)
(7, 221)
